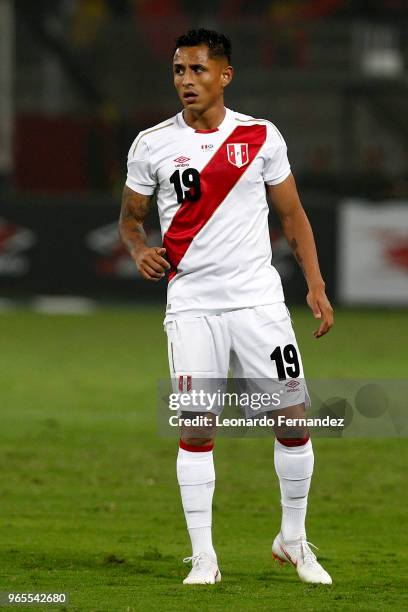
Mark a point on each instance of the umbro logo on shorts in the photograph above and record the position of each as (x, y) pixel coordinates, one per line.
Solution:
(292, 384)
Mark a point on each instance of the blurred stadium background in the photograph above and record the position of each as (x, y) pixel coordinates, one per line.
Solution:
(89, 502)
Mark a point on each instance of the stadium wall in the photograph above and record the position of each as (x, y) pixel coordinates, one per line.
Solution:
(67, 246)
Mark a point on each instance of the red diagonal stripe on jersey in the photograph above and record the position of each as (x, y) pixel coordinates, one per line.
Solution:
(217, 179)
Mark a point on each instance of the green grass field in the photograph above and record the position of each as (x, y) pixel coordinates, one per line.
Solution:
(89, 502)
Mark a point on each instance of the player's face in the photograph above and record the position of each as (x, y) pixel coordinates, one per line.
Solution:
(198, 78)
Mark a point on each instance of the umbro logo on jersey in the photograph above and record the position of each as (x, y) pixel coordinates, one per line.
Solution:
(181, 161)
(237, 154)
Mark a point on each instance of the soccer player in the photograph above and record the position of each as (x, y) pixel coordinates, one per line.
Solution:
(211, 169)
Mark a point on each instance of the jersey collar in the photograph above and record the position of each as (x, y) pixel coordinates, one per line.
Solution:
(223, 124)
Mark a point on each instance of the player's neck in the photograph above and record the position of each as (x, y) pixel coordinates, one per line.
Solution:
(208, 120)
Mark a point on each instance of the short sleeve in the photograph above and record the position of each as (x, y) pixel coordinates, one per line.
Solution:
(140, 177)
(276, 167)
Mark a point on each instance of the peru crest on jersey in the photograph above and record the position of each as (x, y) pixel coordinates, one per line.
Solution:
(238, 154)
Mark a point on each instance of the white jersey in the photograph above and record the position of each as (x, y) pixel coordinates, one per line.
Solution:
(210, 187)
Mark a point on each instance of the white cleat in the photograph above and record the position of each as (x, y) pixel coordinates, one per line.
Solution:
(204, 571)
(299, 554)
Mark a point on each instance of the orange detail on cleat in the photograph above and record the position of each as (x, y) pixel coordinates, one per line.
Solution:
(278, 559)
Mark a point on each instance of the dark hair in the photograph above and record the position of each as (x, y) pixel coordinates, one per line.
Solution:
(218, 44)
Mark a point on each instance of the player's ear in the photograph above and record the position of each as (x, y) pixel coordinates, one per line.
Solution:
(226, 75)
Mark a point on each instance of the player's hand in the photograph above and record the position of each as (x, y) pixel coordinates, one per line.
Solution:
(322, 309)
(151, 263)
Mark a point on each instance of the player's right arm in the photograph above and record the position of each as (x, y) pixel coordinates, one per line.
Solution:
(149, 261)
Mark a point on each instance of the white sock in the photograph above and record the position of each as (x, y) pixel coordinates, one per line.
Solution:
(196, 477)
(294, 467)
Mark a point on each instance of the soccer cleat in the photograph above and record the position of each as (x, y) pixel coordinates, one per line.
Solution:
(299, 554)
(204, 571)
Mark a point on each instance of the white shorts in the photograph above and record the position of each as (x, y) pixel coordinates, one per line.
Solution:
(256, 345)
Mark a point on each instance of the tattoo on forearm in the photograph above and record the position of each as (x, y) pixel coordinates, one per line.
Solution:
(137, 229)
(134, 210)
(294, 246)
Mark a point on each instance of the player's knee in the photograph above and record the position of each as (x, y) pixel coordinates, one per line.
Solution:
(200, 433)
(291, 425)
(292, 431)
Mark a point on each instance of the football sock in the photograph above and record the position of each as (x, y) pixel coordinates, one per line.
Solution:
(294, 466)
(196, 477)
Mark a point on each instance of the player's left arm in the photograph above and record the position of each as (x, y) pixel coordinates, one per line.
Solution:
(298, 232)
